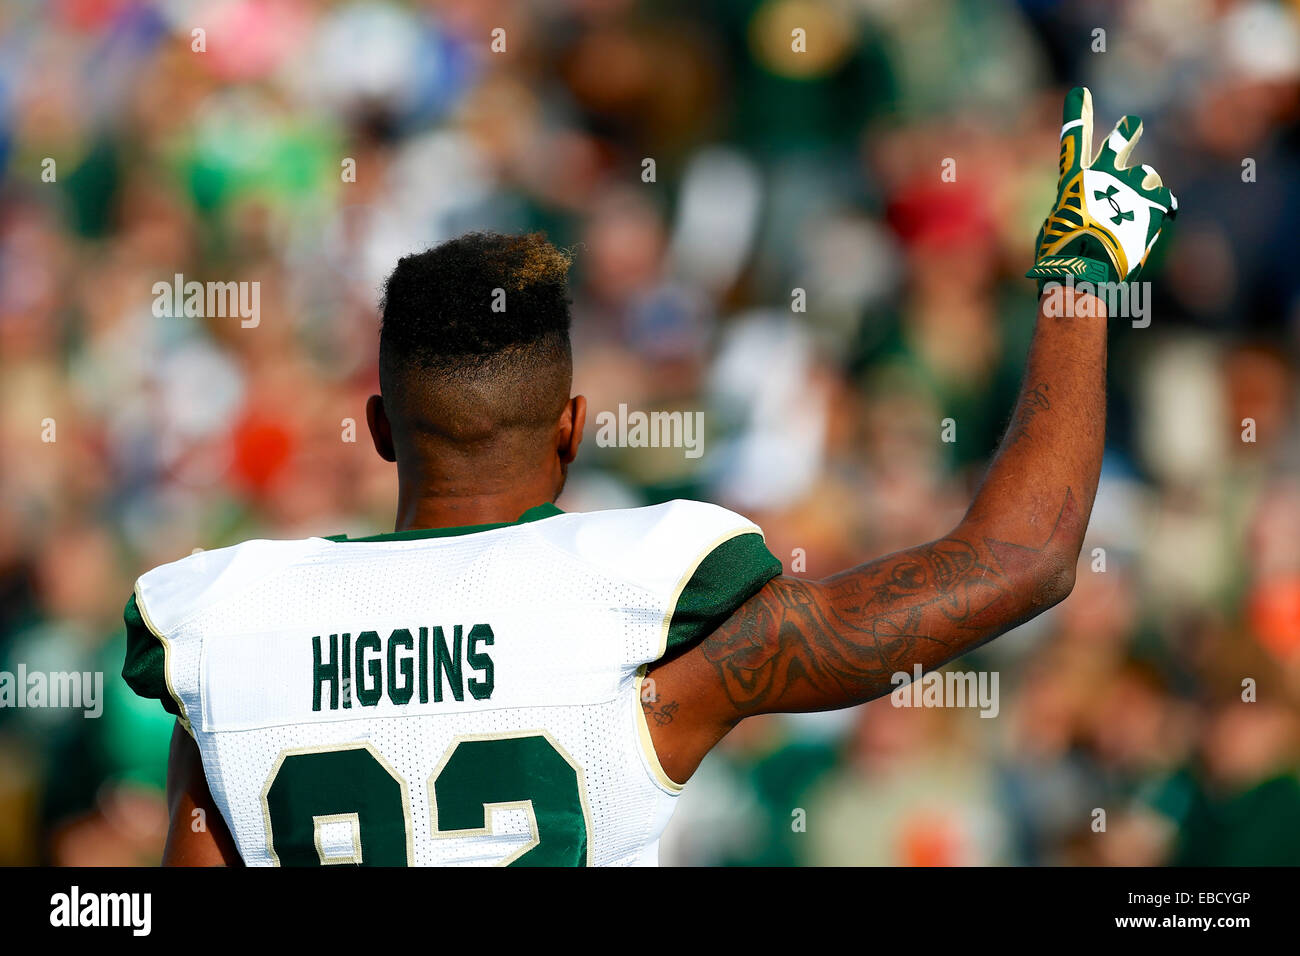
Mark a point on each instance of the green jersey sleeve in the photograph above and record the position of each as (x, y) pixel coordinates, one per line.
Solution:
(145, 668)
(727, 577)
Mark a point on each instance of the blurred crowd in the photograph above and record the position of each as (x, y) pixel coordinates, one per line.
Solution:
(792, 263)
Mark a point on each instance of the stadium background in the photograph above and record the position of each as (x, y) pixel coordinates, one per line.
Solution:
(774, 171)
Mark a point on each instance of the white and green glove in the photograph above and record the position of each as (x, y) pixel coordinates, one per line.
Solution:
(1108, 215)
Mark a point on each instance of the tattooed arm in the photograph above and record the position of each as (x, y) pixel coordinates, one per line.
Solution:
(819, 645)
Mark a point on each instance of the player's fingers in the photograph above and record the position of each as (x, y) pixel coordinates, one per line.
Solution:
(1147, 182)
(1160, 192)
(1076, 130)
(1119, 144)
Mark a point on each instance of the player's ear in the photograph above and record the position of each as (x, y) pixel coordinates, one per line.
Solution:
(572, 421)
(381, 431)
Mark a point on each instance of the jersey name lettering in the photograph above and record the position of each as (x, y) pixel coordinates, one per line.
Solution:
(421, 664)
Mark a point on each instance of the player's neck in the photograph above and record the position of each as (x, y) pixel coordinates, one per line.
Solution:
(424, 509)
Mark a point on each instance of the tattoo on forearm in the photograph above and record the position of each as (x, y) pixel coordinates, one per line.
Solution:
(1034, 401)
(847, 636)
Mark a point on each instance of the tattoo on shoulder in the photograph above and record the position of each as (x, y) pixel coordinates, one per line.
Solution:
(845, 637)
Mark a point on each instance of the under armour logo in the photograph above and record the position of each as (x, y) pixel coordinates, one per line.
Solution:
(1109, 196)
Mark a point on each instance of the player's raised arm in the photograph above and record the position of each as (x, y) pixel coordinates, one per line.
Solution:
(817, 645)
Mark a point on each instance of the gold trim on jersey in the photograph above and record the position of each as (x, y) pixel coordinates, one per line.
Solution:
(651, 756)
(525, 805)
(320, 820)
(183, 719)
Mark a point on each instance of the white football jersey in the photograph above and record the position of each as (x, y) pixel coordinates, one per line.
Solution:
(452, 696)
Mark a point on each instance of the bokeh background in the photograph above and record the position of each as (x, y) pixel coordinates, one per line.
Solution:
(774, 171)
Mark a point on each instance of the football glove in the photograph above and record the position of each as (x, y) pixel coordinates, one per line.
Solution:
(1108, 215)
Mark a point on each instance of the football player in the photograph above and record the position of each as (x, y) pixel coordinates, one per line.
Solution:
(475, 686)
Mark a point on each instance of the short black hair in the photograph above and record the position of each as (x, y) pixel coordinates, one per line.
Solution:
(438, 304)
(482, 320)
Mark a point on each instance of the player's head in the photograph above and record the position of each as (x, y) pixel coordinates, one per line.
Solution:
(475, 364)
